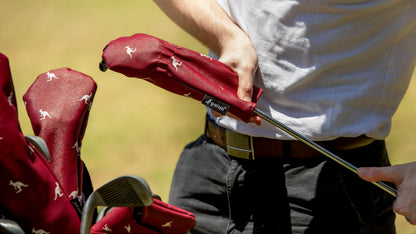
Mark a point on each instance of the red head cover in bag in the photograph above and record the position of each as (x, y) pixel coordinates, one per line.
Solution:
(179, 70)
(6, 81)
(29, 190)
(159, 217)
(58, 104)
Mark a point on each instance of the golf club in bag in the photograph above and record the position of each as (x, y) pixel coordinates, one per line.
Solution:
(191, 74)
(159, 217)
(58, 104)
(124, 191)
(8, 226)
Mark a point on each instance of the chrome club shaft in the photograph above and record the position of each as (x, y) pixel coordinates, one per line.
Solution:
(320, 149)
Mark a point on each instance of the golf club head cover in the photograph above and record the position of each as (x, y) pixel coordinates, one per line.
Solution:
(179, 70)
(58, 104)
(7, 82)
(30, 193)
(159, 217)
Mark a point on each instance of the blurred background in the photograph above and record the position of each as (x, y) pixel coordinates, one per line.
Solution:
(134, 127)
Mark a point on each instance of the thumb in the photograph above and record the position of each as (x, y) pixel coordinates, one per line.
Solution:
(245, 87)
(245, 71)
(389, 174)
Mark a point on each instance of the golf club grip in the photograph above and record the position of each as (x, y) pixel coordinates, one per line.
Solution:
(321, 150)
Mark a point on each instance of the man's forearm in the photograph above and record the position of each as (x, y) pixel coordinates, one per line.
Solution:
(203, 19)
(208, 22)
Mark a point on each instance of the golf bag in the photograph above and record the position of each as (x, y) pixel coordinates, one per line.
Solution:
(44, 181)
(31, 194)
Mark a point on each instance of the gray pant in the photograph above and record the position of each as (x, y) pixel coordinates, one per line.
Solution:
(230, 195)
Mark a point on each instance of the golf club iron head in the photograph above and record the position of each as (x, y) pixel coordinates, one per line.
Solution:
(124, 191)
(40, 144)
(10, 226)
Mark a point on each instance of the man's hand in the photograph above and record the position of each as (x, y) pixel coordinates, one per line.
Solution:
(404, 176)
(207, 21)
(239, 54)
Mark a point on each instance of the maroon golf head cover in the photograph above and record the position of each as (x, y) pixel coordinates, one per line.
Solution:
(7, 83)
(159, 217)
(179, 70)
(30, 192)
(58, 104)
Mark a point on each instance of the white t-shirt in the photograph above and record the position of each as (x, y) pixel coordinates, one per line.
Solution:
(329, 68)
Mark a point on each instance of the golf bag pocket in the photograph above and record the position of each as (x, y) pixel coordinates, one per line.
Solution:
(159, 217)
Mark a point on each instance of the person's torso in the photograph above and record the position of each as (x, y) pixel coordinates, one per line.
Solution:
(329, 68)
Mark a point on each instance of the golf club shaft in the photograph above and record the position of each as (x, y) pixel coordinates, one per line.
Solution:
(87, 214)
(321, 150)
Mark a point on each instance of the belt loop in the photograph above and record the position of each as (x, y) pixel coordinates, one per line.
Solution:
(207, 120)
(206, 125)
(239, 145)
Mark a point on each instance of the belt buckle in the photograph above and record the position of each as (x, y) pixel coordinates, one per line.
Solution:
(239, 145)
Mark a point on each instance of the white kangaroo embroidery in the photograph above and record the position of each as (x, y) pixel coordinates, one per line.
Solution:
(51, 76)
(44, 114)
(76, 147)
(130, 50)
(107, 229)
(168, 224)
(128, 228)
(57, 191)
(10, 98)
(203, 55)
(40, 231)
(176, 63)
(74, 194)
(31, 149)
(86, 98)
(18, 186)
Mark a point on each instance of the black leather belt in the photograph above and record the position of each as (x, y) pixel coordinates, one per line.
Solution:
(248, 147)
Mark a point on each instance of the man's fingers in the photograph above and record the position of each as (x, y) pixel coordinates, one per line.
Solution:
(405, 203)
(371, 174)
(254, 119)
(403, 176)
(245, 73)
(240, 55)
(245, 88)
(411, 219)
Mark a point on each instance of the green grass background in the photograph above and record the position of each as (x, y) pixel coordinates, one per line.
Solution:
(134, 127)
